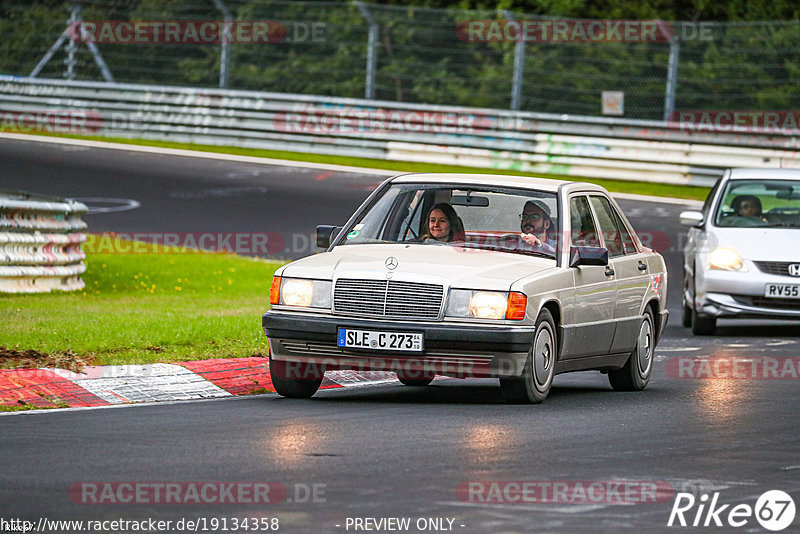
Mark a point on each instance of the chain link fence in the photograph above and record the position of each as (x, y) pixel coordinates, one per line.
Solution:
(405, 54)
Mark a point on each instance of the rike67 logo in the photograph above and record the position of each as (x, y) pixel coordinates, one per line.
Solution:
(774, 510)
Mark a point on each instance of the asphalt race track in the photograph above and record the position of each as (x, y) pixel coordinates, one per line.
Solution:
(359, 456)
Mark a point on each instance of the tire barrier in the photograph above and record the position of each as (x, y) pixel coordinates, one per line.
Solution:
(40, 243)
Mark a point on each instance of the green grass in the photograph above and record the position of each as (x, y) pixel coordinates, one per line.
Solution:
(145, 308)
(620, 186)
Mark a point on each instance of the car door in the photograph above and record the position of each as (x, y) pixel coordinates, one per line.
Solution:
(631, 271)
(589, 328)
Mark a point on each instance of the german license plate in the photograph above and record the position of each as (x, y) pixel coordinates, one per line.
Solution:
(782, 291)
(378, 340)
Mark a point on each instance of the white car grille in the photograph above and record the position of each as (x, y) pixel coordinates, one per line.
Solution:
(387, 298)
(774, 267)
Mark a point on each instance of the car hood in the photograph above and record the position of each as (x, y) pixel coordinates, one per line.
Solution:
(453, 266)
(758, 244)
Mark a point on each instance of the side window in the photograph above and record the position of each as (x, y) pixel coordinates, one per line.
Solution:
(617, 239)
(584, 232)
(628, 244)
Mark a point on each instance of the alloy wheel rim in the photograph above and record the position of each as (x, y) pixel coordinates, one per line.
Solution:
(644, 348)
(543, 356)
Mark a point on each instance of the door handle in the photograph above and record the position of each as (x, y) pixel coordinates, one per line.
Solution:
(642, 266)
(609, 271)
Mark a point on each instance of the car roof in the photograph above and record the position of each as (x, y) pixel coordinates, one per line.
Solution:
(764, 174)
(527, 182)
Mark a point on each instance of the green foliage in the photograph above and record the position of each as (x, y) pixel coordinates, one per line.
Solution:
(420, 57)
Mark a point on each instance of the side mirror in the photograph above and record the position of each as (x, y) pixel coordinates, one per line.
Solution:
(326, 234)
(691, 218)
(588, 256)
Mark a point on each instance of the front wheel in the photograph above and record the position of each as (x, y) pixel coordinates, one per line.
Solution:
(533, 386)
(703, 325)
(635, 374)
(294, 380)
(687, 311)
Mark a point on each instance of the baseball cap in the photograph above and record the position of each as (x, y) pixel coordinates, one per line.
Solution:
(539, 204)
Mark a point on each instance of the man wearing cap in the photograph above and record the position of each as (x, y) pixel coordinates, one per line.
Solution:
(535, 222)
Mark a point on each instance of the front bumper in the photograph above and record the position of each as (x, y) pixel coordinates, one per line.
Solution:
(736, 294)
(449, 349)
(746, 306)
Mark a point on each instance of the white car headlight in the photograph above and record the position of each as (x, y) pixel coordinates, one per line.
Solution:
(303, 293)
(725, 259)
(296, 292)
(488, 305)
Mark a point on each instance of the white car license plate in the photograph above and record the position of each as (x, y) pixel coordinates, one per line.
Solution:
(782, 291)
(377, 340)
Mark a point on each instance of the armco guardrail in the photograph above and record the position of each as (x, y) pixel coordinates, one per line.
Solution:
(40, 243)
(557, 144)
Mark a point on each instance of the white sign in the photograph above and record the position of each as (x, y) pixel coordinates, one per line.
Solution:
(613, 103)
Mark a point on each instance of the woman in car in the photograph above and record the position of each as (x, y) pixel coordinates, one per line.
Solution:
(747, 206)
(444, 225)
(747, 210)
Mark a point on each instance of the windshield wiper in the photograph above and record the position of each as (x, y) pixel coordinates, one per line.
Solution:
(779, 225)
(513, 250)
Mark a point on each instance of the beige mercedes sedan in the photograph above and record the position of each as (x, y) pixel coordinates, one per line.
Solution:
(468, 275)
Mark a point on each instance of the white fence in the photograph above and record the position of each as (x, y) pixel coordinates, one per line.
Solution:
(568, 145)
(40, 243)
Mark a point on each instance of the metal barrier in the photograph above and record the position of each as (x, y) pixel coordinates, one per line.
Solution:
(40, 243)
(578, 146)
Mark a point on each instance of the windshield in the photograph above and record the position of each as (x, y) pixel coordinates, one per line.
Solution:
(508, 220)
(760, 203)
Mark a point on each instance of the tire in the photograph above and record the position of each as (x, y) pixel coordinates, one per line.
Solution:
(295, 381)
(416, 382)
(635, 374)
(686, 314)
(533, 386)
(703, 325)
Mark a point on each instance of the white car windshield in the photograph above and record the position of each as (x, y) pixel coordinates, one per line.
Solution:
(760, 203)
(508, 220)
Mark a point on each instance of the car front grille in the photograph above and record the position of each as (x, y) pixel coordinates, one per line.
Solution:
(775, 267)
(387, 298)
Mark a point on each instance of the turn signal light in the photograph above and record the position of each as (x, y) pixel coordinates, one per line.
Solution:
(275, 290)
(517, 304)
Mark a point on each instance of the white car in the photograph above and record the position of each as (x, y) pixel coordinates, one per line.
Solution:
(742, 255)
(472, 276)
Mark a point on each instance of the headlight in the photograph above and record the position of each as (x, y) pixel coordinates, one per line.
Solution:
(297, 292)
(300, 292)
(725, 259)
(486, 304)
